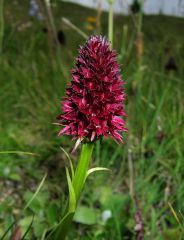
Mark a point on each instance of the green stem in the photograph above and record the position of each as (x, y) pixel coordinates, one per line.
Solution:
(82, 168)
(1, 25)
(110, 25)
(77, 185)
(124, 42)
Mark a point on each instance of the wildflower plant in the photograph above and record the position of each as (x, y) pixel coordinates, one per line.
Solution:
(92, 109)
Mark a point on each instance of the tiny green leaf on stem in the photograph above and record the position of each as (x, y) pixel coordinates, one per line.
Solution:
(72, 198)
(92, 170)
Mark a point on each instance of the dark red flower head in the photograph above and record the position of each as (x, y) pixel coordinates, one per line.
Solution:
(94, 103)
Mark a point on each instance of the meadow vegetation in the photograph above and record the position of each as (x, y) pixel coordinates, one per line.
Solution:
(146, 179)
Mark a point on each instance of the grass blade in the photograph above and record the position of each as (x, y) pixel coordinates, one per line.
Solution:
(37, 191)
(70, 161)
(6, 232)
(19, 152)
(30, 225)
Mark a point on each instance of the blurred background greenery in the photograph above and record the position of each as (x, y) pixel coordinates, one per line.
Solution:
(145, 186)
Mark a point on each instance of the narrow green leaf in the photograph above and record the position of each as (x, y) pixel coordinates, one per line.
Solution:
(29, 227)
(19, 152)
(92, 170)
(72, 199)
(174, 213)
(6, 232)
(37, 191)
(70, 161)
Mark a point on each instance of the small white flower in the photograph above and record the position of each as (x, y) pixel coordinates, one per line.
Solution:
(106, 215)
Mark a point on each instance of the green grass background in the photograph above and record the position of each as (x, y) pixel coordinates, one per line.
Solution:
(32, 83)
